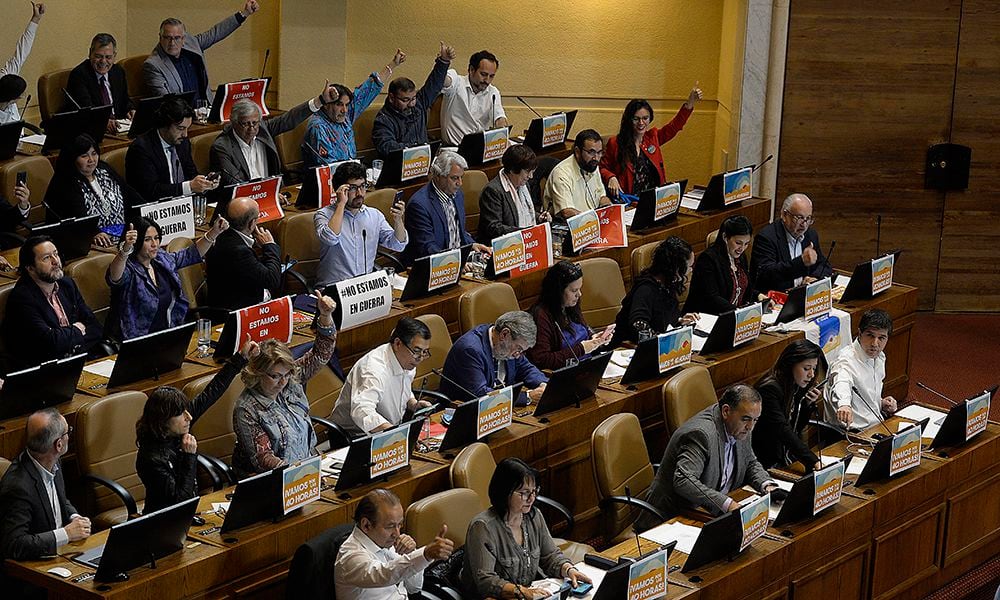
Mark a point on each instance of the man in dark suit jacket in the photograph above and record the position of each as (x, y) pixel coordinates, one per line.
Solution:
(33, 330)
(158, 164)
(786, 253)
(236, 278)
(98, 81)
(707, 457)
(36, 518)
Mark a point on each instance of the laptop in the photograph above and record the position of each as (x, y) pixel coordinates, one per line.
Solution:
(72, 237)
(10, 136)
(50, 383)
(62, 128)
(572, 384)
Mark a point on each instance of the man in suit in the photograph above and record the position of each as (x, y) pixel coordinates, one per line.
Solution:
(36, 518)
(236, 277)
(709, 456)
(98, 81)
(786, 253)
(46, 317)
(435, 214)
(177, 63)
(158, 164)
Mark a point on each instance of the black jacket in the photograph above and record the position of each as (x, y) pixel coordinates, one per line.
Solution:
(393, 129)
(772, 266)
(236, 277)
(84, 88)
(776, 433)
(26, 519)
(649, 301)
(497, 212)
(64, 195)
(712, 283)
(146, 167)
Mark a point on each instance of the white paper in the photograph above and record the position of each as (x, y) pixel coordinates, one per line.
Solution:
(618, 363)
(549, 585)
(685, 535)
(770, 317)
(690, 203)
(857, 463)
(398, 281)
(706, 323)
(596, 577)
(698, 343)
(223, 505)
(784, 485)
(918, 413)
(101, 367)
(841, 280)
(36, 138)
(123, 125)
(629, 217)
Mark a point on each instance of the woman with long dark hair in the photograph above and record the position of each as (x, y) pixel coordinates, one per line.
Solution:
(789, 393)
(721, 279)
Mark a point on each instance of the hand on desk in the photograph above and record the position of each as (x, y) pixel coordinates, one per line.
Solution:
(536, 394)
(845, 415)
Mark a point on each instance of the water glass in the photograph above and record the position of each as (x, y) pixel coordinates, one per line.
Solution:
(200, 209)
(204, 332)
(201, 111)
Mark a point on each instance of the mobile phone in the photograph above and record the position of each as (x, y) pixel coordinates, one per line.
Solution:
(582, 589)
(398, 197)
(22, 178)
(213, 176)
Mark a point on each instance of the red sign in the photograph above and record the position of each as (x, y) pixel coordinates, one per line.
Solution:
(265, 194)
(324, 185)
(612, 222)
(537, 250)
(265, 321)
(252, 90)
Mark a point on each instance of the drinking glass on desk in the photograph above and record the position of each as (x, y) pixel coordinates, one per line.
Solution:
(204, 336)
(200, 204)
(201, 111)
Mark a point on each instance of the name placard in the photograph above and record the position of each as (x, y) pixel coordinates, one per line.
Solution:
(445, 268)
(362, 299)
(819, 300)
(553, 129)
(668, 200)
(537, 250)
(175, 218)
(827, 485)
(416, 162)
(584, 229)
(494, 144)
(300, 484)
(737, 186)
(647, 578)
(977, 414)
(905, 453)
(508, 252)
(265, 321)
(496, 411)
(748, 322)
(612, 223)
(254, 90)
(389, 451)
(753, 516)
(265, 194)
(324, 182)
(882, 273)
(674, 348)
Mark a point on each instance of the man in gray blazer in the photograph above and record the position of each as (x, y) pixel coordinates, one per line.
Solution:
(177, 63)
(707, 457)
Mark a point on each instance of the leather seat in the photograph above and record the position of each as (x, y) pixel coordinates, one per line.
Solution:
(4, 465)
(200, 147)
(297, 238)
(642, 257)
(322, 391)
(484, 304)
(5, 291)
(214, 429)
(133, 76)
(381, 199)
(310, 574)
(192, 276)
(603, 290)
(116, 160)
(686, 394)
(50, 92)
(473, 183)
(440, 346)
(456, 507)
(289, 145)
(88, 272)
(39, 171)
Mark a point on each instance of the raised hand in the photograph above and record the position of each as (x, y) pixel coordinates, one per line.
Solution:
(129, 240)
(324, 304)
(220, 225)
(250, 7)
(694, 96)
(447, 53)
(399, 58)
(441, 548)
(37, 10)
(250, 348)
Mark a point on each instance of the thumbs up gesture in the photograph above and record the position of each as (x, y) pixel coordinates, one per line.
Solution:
(447, 53)
(128, 240)
(694, 96)
(324, 304)
(809, 256)
(441, 548)
(250, 348)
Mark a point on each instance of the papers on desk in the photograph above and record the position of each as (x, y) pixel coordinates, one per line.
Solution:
(123, 125)
(618, 363)
(857, 463)
(704, 326)
(101, 367)
(841, 280)
(37, 139)
(550, 586)
(685, 535)
(217, 505)
(398, 281)
(333, 462)
(629, 217)
(918, 413)
(692, 199)
(596, 576)
(770, 317)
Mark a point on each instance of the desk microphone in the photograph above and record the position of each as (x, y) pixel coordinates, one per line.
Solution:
(517, 586)
(762, 163)
(26, 101)
(563, 336)
(878, 413)
(493, 111)
(878, 233)
(267, 54)
(49, 209)
(826, 259)
(521, 100)
(454, 383)
(364, 249)
(635, 532)
(936, 393)
(75, 103)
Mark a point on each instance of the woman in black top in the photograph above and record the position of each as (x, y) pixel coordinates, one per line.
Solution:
(721, 280)
(789, 395)
(652, 306)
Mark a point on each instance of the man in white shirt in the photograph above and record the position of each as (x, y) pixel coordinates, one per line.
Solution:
(378, 389)
(379, 562)
(12, 85)
(471, 103)
(857, 373)
(574, 184)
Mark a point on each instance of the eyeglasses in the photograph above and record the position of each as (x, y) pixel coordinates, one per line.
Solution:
(638, 119)
(69, 431)
(248, 124)
(357, 188)
(532, 493)
(279, 377)
(593, 152)
(172, 38)
(419, 353)
(807, 219)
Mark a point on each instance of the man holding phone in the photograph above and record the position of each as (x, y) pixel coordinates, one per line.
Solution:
(351, 232)
(12, 215)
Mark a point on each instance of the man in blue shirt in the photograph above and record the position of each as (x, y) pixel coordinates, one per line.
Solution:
(490, 357)
(350, 232)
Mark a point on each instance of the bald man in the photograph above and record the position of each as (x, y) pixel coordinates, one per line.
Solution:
(786, 253)
(35, 516)
(236, 277)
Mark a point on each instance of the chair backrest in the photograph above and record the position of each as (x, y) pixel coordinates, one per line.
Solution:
(642, 257)
(116, 159)
(440, 346)
(192, 276)
(456, 507)
(105, 444)
(214, 429)
(289, 146)
(310, 575)
(50, 92)
(472, 187)
(603, 290)
(382, 200)
(686, 394)
(711, 237)
(297, 238)
(200, 147)
(4, 465)
(484, 304)
(322, 391)
(39, 171)
(133, 76)
(473, 468)
(620, 459)
(88, 273)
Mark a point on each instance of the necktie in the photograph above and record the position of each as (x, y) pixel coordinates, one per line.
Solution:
(176, 172)
(105, 91)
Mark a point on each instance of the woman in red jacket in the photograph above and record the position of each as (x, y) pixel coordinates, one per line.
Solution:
(631, 168)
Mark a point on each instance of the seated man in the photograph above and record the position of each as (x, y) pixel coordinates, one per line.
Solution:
(330, 133)
(177, 63)
(12, 85)
(235, 276)
(36, 518)
(709, 456)
(158, 164)
(857, 373)
(350, 232)
(574, 184)
(490, 357)
(379, 561)
(378, 390)
(402, 122)
(99, 81)
(435, 214)
(471, 103)
(46, 316)
(786, 253)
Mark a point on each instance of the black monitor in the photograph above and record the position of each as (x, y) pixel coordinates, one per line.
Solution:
(570, 385)
(419, 276)
(72, 237)
(614, 585)
(256, 498)
(952, 430)
(720, 339)
(357, 463)
(48, 384)
(62, 128)
(719, 538)
(645, 363)
(463, 428)
(144, 118)
(860, 286)
(151, 355)
(801, 499)
(10, 136)
(877, 466)
(533, 139)
(714, 196)
(392, 168)
(472, 146)
(645, 210)
(794, 306)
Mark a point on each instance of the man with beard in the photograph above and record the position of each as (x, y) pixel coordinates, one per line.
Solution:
(575, 185)
(46, 316)
(471, 103)
(350, 232)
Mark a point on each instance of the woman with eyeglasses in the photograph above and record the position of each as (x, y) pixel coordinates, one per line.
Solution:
(563, 334)
(633, 161)
(721, 280)
(509, 544)
(271, 418)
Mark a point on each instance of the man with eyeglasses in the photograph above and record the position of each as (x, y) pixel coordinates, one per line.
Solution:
(786, 253)
(350, 233)
(490, 357)
(36, 518)
(99, 81)
(574, 184)
(177, 63)
(378, 389)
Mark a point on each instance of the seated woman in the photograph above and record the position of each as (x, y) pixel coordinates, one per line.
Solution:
(633, 161)
(146, 294)
(789, 393)
(505, 204)
(85, 185)
(652, 306)
(166, 460)
(721, 279)
(520, 540)
(563, 335)
(271, 418)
